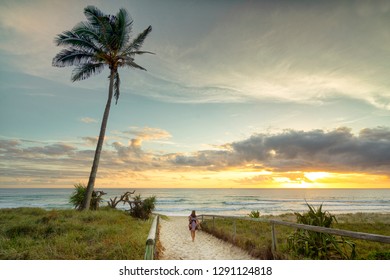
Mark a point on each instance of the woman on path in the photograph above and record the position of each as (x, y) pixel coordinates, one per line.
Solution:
(193, 224)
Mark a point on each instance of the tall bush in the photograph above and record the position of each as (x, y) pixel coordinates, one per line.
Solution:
(315, 245)
(142, 208)
(254, 214)
(78, 196)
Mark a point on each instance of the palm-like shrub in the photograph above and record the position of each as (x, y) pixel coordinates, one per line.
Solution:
(142, 208)
(254, 214)
(315, 245)
(78, 196)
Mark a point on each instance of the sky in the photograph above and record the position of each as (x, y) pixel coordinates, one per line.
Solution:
(239, 94)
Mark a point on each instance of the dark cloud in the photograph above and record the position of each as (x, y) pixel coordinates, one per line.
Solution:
(18, 148)
(336, 150)
(9, 146)
(287, 154)
(375, 134)
(133, 149)
(26, 163)
(53, 150)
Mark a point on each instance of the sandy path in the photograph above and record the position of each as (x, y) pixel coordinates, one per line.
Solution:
(176, 241)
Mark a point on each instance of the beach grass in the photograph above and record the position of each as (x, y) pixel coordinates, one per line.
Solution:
(38, 234)
(255, 237)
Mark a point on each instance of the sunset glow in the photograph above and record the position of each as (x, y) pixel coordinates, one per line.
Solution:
(252, 94)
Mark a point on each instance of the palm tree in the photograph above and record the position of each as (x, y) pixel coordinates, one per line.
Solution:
(102, 40)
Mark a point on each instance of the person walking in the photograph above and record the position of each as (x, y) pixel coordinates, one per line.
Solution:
(193, 224)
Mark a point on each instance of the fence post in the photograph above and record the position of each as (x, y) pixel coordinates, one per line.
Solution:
(273, 248)
(235, 230)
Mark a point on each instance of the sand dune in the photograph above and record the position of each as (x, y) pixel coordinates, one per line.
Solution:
(176, 241)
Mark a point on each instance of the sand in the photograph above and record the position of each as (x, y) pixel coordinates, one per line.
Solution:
(175, 238)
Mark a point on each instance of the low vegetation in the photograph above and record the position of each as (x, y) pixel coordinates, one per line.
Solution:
(142, 209)
(138, 207)
(79, 193)
(254, 214)
(316, 245)
(107, 234)
(255, 237)
(252, 236)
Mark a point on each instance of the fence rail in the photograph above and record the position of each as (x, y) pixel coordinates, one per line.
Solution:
(150, 250)
(352, 234)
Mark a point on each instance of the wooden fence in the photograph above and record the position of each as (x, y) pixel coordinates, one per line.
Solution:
(150, 250)
(352, 234)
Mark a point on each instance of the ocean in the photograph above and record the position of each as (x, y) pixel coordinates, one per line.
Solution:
(237, 202)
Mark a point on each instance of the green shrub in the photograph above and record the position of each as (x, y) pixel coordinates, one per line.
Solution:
(142, 208)
(379, 256)
(78, 196)
(254, 214)
(315, 245)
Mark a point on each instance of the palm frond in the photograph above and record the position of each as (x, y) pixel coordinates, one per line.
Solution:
(117, 82)
(94, 15)
(69, 38)
(102, 23)
(86, 30)
(119, 35)
(85, 71)
(138, 42)
(139, 52)
(130, 63)
(101, 40)
(124, 25)
(72, 57)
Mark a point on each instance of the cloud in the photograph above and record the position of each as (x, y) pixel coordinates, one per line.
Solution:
(148, 133)
(175, 90)
(282, 50)
(53, 150)
(140, 134)
(264, 158)
(33, 163)
(125, 152)
(88, 120)
(317, 150)
(256, 179)
(9, 146)
(16, 148)
(132, 156)
(34, 24)
(241, 51)
(90, 141)
(375, 134)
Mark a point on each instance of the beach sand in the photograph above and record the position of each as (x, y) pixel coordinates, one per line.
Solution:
(176, 242)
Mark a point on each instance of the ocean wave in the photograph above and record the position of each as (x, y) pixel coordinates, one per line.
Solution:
(219, 201)
(261, 202)
(170, 201)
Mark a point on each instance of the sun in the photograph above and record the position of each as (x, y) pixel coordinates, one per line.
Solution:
(315, 176)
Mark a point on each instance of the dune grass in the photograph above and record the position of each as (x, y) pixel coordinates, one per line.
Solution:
(255, 237)
(38, 234)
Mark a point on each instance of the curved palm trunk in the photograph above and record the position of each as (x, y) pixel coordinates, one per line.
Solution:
(99, 146)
